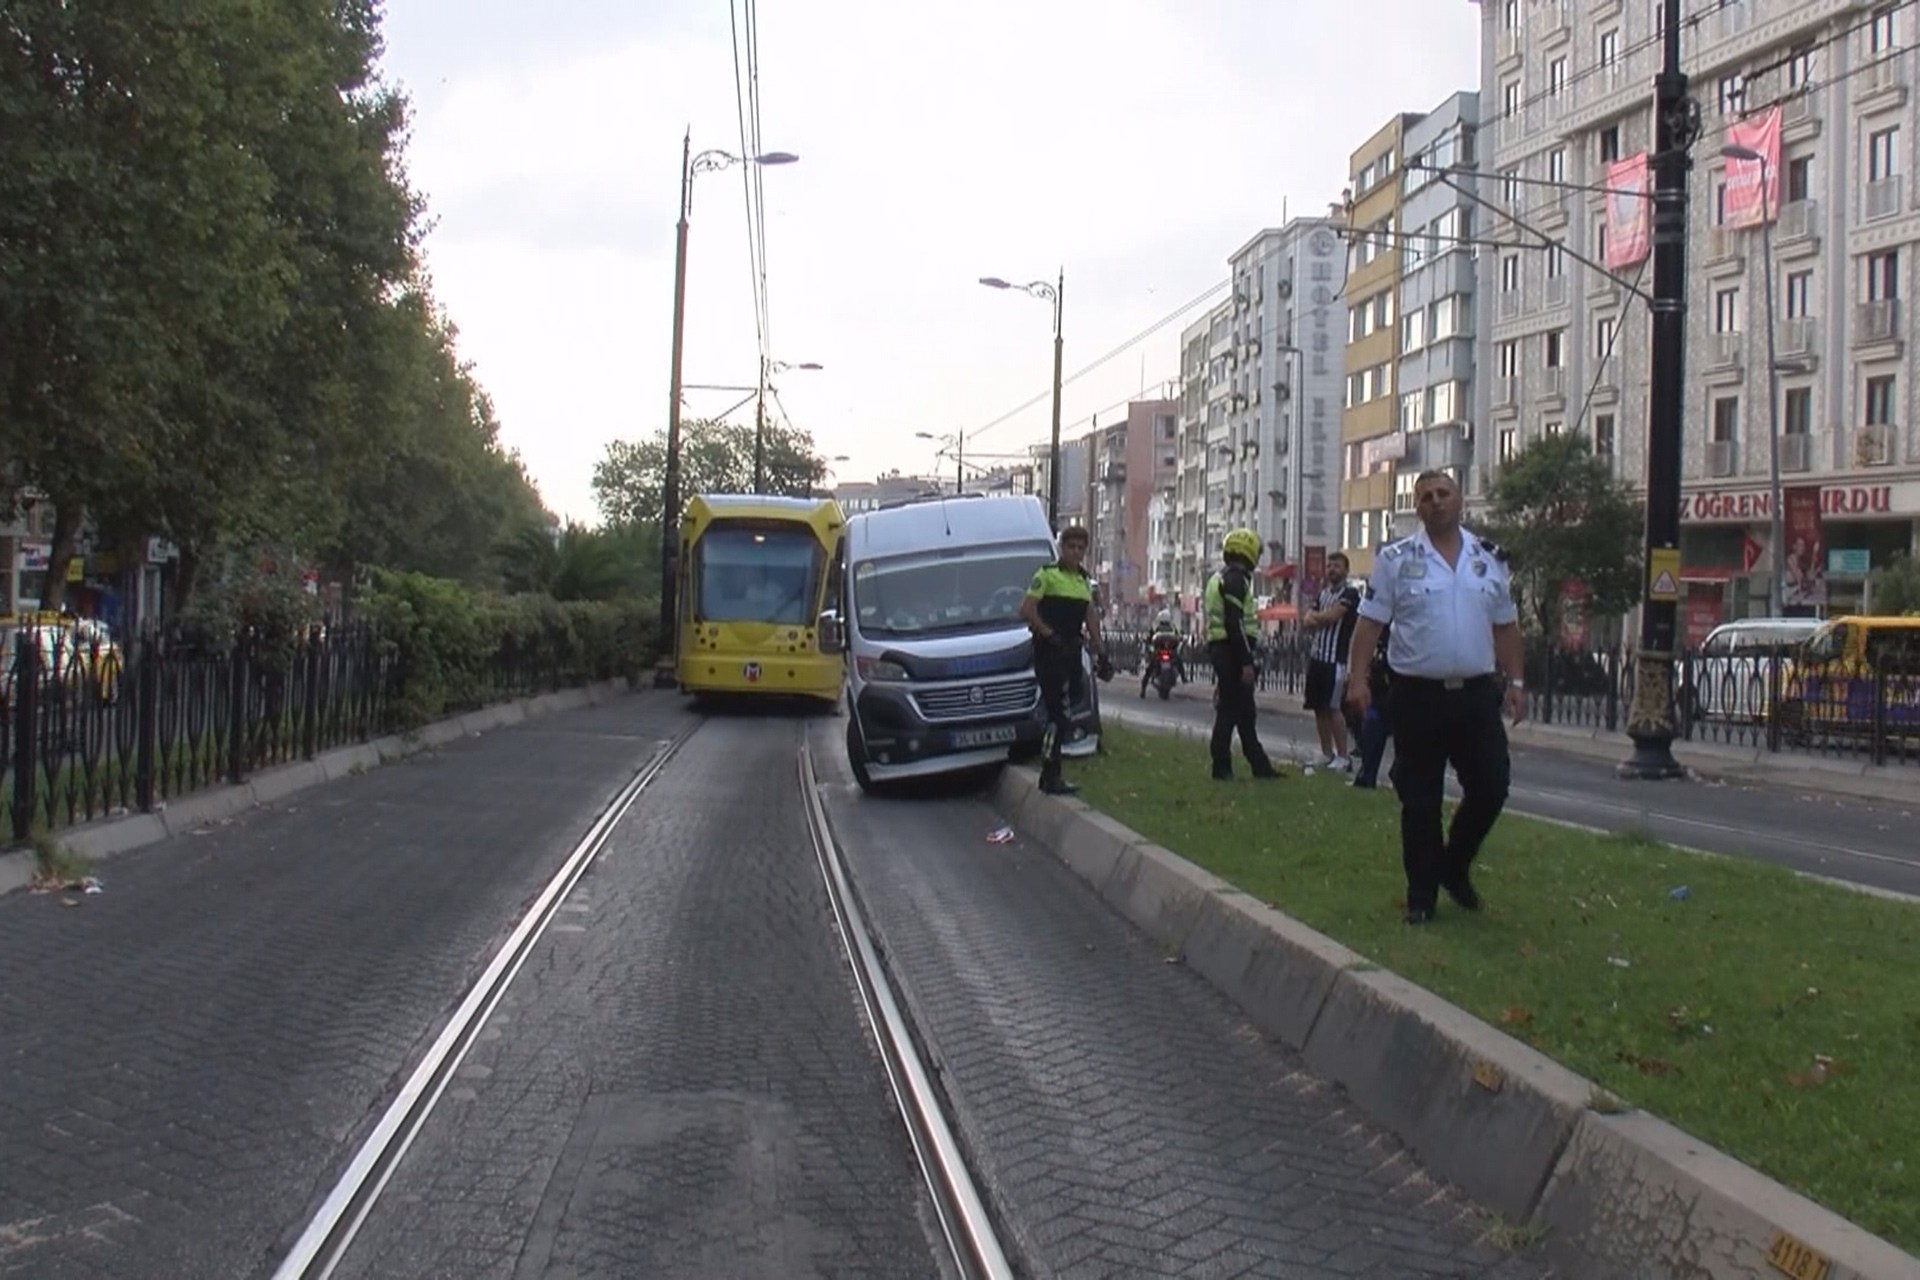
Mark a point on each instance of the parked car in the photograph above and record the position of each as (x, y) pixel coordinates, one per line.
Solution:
(1728, 678)
(75, 653)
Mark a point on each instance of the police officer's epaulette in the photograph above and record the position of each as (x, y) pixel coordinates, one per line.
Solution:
(1397, 547)
(1494, 549)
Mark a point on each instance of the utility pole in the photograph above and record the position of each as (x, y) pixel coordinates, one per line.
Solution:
(664, 676)
(1651, 722)
(1053, 466)
(959, 462)
(760, 437)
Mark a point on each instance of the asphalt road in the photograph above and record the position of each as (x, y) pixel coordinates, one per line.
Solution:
(1861, 842)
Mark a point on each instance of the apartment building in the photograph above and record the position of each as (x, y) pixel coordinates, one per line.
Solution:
(1566, 93)
(1193, 557)
(1152, 462)
(1106, 503)
(1073, 478)
(1369, 420)
(1438, 272)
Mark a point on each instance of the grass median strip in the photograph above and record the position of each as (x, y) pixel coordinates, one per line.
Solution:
(1775, 1017)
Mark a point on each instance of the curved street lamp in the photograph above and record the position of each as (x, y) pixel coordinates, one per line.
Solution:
(706, 162)
(959, 442)
(1052, 293)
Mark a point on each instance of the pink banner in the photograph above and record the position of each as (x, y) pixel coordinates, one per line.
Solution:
(1806, 559)
(1629, 213)
(1747, 204)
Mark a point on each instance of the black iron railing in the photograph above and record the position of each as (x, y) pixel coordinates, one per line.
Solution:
(90, 729)
(1763, 700)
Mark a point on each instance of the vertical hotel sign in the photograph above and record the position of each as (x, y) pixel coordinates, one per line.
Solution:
(1629, 212)
(1748, 205)
(1805, 561)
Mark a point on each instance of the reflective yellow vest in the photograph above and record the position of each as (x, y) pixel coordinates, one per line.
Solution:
(1217, 611)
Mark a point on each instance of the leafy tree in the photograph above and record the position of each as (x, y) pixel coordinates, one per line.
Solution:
(629, 481)
(1896, 588)
(1564, 518)
(577, 563)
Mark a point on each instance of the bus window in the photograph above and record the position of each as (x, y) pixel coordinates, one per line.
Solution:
(1894, 650)
(757, 575)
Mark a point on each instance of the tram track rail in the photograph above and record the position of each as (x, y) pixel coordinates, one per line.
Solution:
(329, 1234)
(971, 1238)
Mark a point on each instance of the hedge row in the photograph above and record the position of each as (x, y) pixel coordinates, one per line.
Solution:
(457, 648)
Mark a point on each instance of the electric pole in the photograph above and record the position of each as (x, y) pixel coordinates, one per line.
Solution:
(1651, 722)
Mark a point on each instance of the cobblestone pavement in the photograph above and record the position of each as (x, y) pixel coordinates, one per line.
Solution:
(189, 1056)
(1123, 1116)
(680, 1083)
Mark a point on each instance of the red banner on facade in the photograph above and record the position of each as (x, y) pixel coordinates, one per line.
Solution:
(1747, 204)
(1705, 607)
(1806, 561)
(1629, 213)
(1313, 561)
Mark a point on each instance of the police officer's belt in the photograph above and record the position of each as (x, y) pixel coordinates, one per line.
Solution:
(1451, 683)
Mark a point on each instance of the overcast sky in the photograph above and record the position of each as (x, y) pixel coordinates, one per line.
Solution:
(1135, 142)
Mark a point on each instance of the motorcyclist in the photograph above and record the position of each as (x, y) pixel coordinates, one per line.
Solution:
(1163, 636)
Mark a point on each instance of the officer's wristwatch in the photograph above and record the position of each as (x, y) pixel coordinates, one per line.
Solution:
(1515, 684)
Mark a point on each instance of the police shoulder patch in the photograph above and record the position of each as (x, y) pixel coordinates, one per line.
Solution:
(1392, 549)
(1494, 549)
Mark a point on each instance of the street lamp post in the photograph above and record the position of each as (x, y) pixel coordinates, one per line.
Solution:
(767, 369)
(1777, 556)
(1054, 293)
(959, 439)
(690, 164)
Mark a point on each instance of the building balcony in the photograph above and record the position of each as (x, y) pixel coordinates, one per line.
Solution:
(1720, 457)
(1882, 198)
(1506, 392)
(1883, 82)
(1552, 22)
(1553, 383)
(1873, 445)
(1796, 452)
(1723, 248)
(1795, 337)
(1876, 322)
(1799, 221)
(1508, 306)
(1556, 291)
(1724, 350)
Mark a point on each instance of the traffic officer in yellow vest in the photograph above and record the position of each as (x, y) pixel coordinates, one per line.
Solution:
(1058, 607)
(1232, 629)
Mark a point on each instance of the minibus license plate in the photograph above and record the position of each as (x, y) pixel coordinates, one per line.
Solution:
(983, 737)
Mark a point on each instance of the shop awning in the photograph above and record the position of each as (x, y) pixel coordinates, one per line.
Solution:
(1278, 572)
(1278, 613)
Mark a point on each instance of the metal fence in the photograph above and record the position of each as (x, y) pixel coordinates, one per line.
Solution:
(1282, 658)
(89, 729)
(1765, 700)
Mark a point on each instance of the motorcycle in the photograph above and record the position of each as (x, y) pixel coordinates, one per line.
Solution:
(1164, 673)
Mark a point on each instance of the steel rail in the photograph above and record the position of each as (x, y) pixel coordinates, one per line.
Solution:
(963, 1215)
(328, 1235)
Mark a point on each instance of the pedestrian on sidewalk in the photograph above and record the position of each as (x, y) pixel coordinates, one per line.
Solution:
(1232, 632)
(1375, 725)
(1331, 622)
(1456, 657)
(1058, 607)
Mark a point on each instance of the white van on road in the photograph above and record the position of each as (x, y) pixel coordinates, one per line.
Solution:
(939, 667)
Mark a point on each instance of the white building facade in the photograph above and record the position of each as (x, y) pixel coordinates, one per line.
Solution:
(1566, 92)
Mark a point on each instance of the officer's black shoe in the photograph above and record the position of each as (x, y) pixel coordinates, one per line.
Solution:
(1055, 785)
(1463, 892)
(1223, 773)
(1418, 915)
(1268, 771)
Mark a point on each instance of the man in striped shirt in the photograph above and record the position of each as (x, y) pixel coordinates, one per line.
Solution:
(1331, 621)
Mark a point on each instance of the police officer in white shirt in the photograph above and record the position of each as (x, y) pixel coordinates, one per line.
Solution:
(1456, 656)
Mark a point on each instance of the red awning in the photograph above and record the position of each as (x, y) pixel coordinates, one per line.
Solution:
(1278, 613)
(1278, 571)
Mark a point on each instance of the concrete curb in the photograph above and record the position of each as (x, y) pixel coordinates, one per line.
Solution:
(103, 838)
(1898, 784)
(1622, 1196)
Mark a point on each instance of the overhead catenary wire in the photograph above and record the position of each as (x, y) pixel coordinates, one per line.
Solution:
(747, 171)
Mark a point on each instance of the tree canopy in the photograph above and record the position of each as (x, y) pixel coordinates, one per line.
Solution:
(1565, 519)
(629, 481)
(214, 326)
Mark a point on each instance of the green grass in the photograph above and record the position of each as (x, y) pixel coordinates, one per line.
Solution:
(1776, 1017)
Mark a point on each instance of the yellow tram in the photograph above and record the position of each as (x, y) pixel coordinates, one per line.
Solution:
(755, 575)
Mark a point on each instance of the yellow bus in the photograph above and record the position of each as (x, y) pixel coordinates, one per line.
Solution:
(755, 575)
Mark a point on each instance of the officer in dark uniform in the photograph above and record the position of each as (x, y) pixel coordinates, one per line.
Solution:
(1232, 632)
(1456, 657)
(1059, 607)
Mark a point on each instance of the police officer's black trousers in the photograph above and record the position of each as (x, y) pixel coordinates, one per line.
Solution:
(1062, 682)
(1234, 709)
(1434, 726)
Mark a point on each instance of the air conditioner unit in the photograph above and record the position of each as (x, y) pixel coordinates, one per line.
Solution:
(1873, 446)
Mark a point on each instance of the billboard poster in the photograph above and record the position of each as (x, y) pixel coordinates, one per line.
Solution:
(1806, 558)
(1705, 611)
(1747, 204)
(1629, 212)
